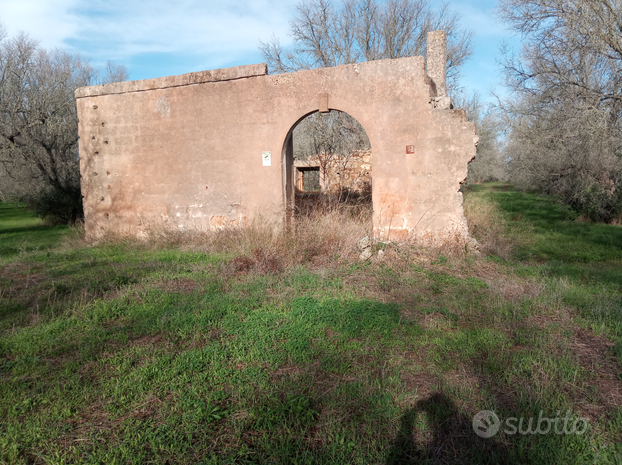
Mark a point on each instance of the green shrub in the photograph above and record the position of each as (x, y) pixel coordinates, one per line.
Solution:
(57, 206)
(596, 202)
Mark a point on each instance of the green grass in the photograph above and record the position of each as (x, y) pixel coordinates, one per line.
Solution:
(581, 260)
(128, 354)
(21, 232)
(582, 251)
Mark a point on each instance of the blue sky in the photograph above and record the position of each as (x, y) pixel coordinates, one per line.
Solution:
(154, 38)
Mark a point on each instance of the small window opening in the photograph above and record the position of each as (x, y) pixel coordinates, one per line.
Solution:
(308, 179)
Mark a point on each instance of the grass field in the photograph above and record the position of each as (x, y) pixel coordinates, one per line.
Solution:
(173, 352)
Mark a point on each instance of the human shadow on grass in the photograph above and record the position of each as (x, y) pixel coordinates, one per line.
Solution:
(452, 438)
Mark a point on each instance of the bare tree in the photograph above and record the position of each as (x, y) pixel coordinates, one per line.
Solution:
(489, 163)
(364, 30)
(334, 132)
(328, 34)
(565, 112)
(113, 72)
(573, 49)
(38, 119)
(333, 138)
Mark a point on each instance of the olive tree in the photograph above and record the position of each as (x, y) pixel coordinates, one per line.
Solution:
(38, 121)
(565, 110)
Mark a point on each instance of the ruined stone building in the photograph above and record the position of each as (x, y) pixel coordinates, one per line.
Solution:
(347, 178)
(214, 148)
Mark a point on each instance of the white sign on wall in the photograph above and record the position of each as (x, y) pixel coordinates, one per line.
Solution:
(266, 158)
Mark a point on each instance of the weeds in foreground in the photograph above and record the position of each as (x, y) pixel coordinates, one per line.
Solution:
(320, 239)
(496, 233)
(234, 349)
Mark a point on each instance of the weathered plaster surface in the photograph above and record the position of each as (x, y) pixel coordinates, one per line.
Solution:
(187, 150)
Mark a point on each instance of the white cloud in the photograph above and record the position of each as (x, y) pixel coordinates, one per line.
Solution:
(481, 19)
(48, 21)
(136, 28)
(159, 37)
(119, 30)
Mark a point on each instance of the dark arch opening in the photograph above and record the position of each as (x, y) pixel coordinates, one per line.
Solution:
(327, 163)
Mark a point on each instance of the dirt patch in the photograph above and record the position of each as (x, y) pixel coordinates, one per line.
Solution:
(242, 264)
(21, 281)
(423, 382)
(261, 260)
(594, 355)
(515, 290)
(462, 379)
(149, 341)
(330, 334)
(112, 348)
(181, 285)
(561, 318)
(93, 421)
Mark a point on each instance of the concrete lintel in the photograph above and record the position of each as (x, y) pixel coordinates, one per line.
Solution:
(199, 77)
(306, 163)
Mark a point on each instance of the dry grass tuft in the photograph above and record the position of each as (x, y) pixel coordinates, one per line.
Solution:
(323, 239)
(594, 355)
(491, 228)
(265, 246)
(515, 290)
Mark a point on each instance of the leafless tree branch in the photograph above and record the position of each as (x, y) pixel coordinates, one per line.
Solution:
(38, 120)
(565, 112)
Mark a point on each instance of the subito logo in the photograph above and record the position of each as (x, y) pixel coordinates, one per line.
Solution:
(486, 424)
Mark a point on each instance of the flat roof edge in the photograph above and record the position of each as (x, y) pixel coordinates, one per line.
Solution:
(199, 77)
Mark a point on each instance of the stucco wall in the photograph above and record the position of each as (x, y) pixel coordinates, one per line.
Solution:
(187, 150)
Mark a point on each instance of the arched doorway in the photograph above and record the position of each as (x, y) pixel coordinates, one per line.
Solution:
(227, 129)
(327, 164)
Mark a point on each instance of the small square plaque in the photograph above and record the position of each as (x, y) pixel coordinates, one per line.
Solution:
(266, 158)
(410, 149)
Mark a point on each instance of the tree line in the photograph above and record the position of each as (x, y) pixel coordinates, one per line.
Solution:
(564, 115)
(558, 131)
(39, 159)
